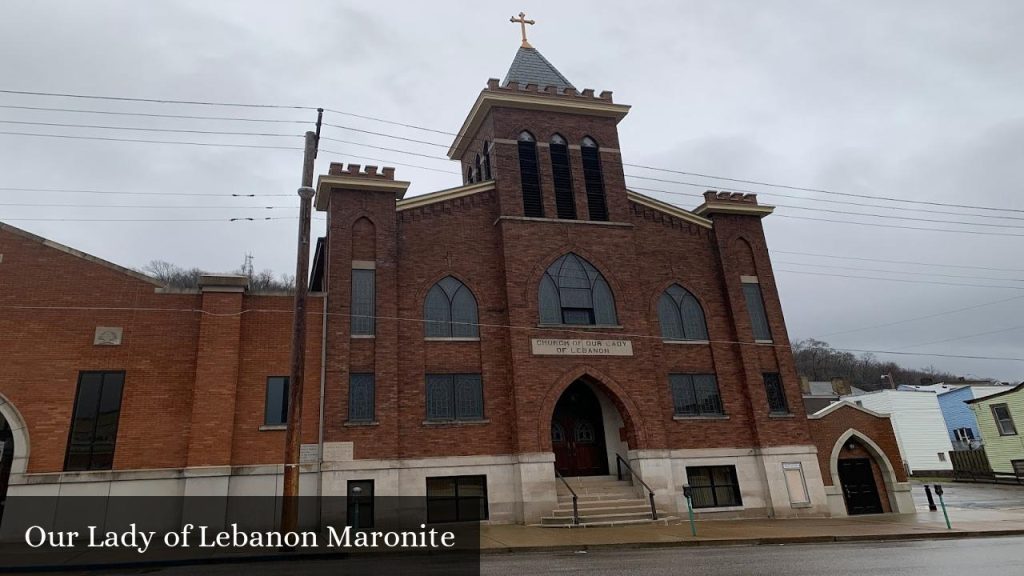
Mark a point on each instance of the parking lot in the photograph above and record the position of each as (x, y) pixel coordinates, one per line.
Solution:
(972, 496)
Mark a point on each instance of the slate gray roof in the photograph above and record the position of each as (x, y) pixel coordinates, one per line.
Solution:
(530, 67)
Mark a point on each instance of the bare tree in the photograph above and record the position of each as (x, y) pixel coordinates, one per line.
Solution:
(174, 276)
(818, 361)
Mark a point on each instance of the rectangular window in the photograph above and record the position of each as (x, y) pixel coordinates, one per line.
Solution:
(713, 486)
(593, 181)
(755, 307)
(454, 397)
(529, 176)
(363, 307)
(456, 499)
(795, 483)
(1004, 421)
(360, 503)
(777, 403)
(963, 434)
(695, 395)
(361, 398)
(561, 175)
(275, 412)
(94, 421)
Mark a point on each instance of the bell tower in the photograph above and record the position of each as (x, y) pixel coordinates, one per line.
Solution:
(552, 150)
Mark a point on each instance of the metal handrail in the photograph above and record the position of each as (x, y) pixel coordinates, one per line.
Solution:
(575, 499)
(619, 461)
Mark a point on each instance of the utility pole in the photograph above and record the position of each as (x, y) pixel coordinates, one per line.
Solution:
(293, 434)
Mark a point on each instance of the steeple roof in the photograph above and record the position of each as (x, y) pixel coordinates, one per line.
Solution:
(530, 67)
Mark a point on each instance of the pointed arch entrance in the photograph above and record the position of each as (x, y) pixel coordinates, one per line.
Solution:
(578, 433)
(13, 447)
(863, 473)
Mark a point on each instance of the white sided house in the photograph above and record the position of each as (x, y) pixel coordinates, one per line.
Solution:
(920, 428)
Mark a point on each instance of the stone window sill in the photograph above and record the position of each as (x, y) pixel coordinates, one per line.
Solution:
(581, 326)
(787, 415)
(456, 422)
(679, 417)
(764, 341)
(801, 505)
(685, 342)
(440, 339)
(273, 427)
(362, 336)
(718, 509)
(356, 423)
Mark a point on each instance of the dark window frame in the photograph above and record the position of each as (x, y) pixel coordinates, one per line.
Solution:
(758, 314)
(362, 379)
(454, 396)
(713, 487)
(775, 391)
(361, 323)
(999, 421)
(529, 176)
(684, 388)
(558, 284)
(477, 504)
(447, 327)
(593, 180)
(285, 390)
(561, 177)
(94, 459)
(684, 312)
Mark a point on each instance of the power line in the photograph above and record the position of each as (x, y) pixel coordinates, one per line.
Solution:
(113, 139)
(169, 206)
(876, 225)
(153, 100)
(375, 147)
(896, 261)
(385, 135)
(138, 129)
(387, 162)
(133, 193)
(154, 115)
(1000, 331)
(926, 317)
(135, 219)
(896, 271)
(904, 280)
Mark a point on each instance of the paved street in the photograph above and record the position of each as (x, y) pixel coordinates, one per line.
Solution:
(974, 496)
(931, 558)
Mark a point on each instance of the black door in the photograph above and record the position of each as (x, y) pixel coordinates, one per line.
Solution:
(859, 488)
(577, 433)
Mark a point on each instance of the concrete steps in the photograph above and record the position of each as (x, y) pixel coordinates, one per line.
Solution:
(602, 501)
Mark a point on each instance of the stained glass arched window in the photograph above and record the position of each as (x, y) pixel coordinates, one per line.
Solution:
(572, 291)
(449, 311)
(680, 315)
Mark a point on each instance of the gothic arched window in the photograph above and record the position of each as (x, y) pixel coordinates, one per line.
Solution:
(561, 174)
(449, 311)
(680, 315)
(572, 291)
(529, 175)
(485, 165)
(593, 179)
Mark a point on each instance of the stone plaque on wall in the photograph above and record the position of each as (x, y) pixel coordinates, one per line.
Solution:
(309, 453)
(107, 336)
(581, 347)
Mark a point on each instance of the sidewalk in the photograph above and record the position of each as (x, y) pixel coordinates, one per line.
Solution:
(923, 525)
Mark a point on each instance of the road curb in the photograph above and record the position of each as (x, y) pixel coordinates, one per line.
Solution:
(763, 541)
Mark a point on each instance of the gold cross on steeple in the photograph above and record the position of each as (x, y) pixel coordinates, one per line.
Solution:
(522, 22)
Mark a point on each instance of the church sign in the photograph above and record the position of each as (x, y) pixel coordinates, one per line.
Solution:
(559, 347)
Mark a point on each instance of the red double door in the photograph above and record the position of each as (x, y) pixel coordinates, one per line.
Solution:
(577, 433)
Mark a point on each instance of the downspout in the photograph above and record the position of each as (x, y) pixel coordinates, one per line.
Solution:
(320, 436)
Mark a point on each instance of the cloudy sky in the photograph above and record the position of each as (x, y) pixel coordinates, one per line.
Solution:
(910, 100)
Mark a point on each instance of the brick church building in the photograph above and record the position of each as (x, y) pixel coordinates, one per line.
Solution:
(500, 344)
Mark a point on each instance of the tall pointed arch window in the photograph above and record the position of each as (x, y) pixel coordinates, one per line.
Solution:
(449, 311)
(561, 174)
(593, 179)
(529, 175)
(485, 162)
(572, 291)
(680, 315)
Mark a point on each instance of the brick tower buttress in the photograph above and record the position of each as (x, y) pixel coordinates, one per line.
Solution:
(746, 266)
(362, 249)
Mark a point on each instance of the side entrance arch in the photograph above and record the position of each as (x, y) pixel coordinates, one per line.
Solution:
(13, 447)
(578, 433)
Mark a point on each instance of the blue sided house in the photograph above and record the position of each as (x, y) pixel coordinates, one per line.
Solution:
(961, 423)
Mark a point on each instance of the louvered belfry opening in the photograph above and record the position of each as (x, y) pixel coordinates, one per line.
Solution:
(561, 174)
(594, 180)
(529, 175)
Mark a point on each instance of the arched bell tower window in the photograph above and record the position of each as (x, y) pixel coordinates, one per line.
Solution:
(529, 175)
(449, 311)
(485, 165)
(562, 176)
(680, 315)
(572, 291)
(593, 179)
(477, 170)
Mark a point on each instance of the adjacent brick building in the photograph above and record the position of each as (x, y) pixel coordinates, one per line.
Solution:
(466, 343)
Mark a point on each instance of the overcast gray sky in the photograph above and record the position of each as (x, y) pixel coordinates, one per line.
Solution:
(916, 100)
